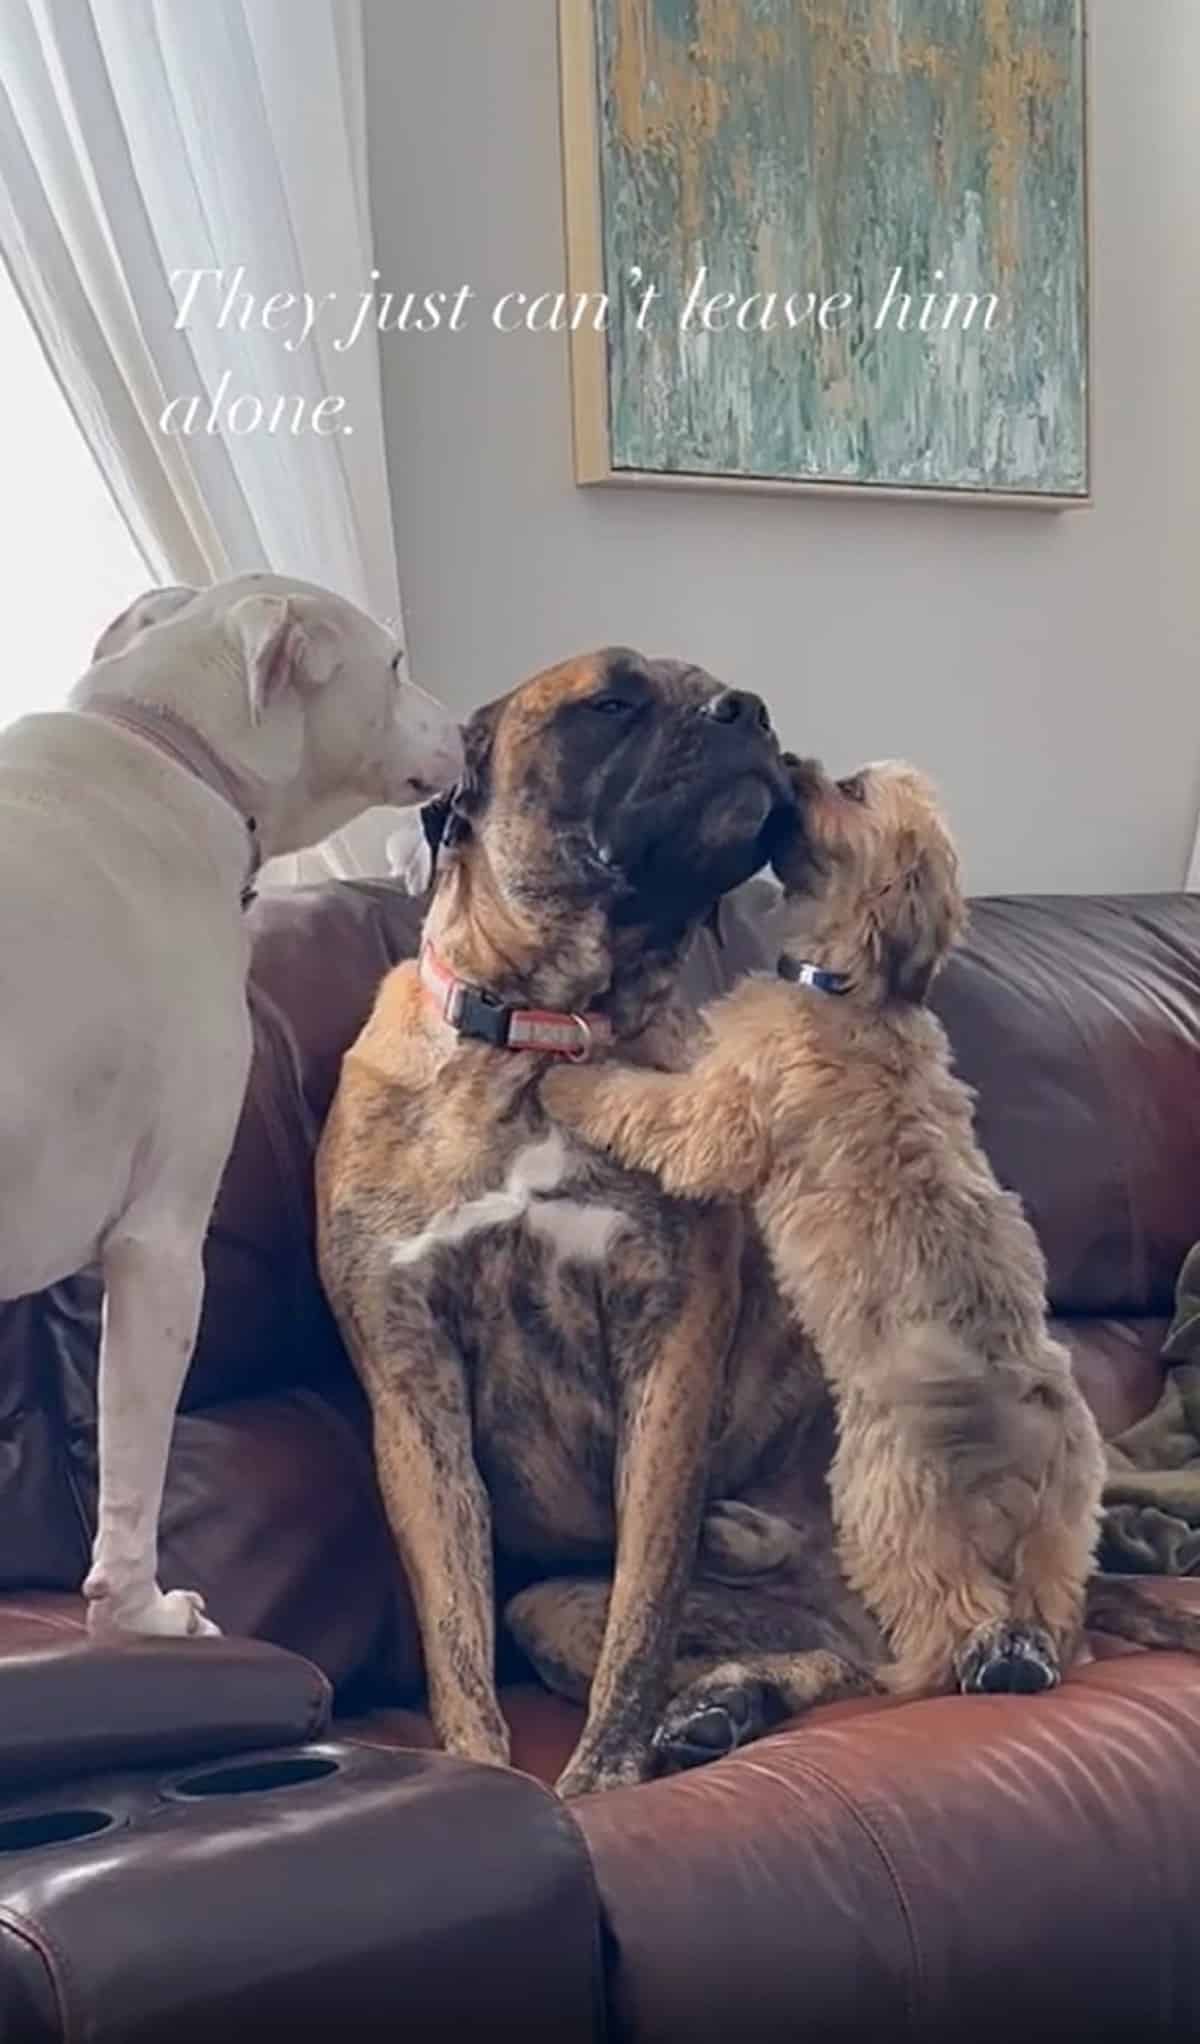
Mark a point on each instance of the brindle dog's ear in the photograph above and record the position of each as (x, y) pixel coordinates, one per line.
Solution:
(443, 823)
(465, 802)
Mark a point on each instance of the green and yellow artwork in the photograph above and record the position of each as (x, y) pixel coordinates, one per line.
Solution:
(840, 242)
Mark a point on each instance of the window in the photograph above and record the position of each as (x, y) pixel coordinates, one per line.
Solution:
(69, 562)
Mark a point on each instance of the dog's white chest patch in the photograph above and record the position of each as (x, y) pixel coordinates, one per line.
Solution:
(576, 1230)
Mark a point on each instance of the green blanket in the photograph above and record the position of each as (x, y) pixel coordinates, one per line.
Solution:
(1152, 1496)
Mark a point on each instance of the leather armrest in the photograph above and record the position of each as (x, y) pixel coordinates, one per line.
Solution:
(1003, 1869)
(324, 1892)
(72, 1708)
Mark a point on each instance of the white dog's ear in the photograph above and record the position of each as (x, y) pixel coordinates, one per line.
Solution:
(152, 608)
(281, 648)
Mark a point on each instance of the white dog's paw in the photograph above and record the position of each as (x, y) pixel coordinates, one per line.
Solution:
(181, 1612)
(173, 1614)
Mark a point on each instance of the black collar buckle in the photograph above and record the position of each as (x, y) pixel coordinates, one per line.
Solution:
(481, 1016)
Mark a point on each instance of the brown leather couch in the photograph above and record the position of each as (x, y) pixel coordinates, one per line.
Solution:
(983, 1868)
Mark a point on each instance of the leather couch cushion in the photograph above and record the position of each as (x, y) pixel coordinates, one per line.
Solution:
(1078, 1020)
(45, 1542)
(271, 1510)
(1118, 1366)
(544, 1729)
(991, 1868)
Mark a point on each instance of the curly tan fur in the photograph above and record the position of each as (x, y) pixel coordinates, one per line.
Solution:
(966, 1484)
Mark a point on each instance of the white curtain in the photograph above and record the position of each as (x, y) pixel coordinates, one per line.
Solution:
(141, 139)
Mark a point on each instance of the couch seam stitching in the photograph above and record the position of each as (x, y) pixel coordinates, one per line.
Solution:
(321, 1706)
(58, 1972)
(865, 1825)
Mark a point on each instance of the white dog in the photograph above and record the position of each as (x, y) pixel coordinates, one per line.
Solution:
(214, 729)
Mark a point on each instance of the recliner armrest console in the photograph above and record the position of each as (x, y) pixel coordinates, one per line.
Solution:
(74, 1708)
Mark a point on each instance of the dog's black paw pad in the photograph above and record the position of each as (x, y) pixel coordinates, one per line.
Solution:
(713, 1728)
(1009, 1660)
(701, 1726)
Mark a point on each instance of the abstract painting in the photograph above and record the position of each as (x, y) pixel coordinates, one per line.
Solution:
(841, 243)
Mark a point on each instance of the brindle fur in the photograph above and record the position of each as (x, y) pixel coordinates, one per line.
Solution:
(568, 1408)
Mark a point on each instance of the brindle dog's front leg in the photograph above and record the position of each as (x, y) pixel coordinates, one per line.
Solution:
(438, 1511)
(665, 1429)
(698, 1132)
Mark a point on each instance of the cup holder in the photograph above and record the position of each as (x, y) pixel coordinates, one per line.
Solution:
(51, 1827)
(256, 1777)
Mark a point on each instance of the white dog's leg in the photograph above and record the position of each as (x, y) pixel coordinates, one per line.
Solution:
(153, 1291)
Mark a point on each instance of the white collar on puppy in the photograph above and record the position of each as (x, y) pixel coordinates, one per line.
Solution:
(801, 974)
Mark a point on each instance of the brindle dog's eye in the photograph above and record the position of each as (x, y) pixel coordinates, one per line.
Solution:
(611, 706)
(854, 787)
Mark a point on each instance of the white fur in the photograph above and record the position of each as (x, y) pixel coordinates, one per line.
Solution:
(576, 1231)
(124, 1040)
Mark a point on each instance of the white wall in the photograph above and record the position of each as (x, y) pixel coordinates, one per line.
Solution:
(1047, 668)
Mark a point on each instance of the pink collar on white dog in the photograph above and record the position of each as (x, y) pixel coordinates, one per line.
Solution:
(179, 741)
(481, 1016)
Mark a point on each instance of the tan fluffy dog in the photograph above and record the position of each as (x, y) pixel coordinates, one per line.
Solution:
(967, 1480)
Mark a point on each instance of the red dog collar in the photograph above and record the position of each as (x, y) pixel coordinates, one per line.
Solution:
(479, 1015)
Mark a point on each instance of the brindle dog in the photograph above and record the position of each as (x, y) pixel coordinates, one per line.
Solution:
(557, 1355)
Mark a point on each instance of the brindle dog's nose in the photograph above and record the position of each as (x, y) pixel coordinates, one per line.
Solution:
(738, 705)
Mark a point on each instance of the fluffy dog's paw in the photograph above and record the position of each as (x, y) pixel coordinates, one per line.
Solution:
(568, 1091)
(175, 1614)
(1007, 1660)
(709, 1719)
